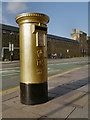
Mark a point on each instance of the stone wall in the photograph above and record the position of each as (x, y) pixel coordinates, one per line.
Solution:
(61, 46)
(81, 37)
(10, 37)
(55, 44)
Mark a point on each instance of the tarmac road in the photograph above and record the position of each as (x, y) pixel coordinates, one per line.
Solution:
(11, 70)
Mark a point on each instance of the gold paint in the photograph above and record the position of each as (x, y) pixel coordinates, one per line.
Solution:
(33, 52)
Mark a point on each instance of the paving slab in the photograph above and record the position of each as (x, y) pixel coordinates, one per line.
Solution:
(5, 107)
(79, 99)
(18, 113)
(79, 113)
(60, 112)
(83, 88)
(73, 98)
(50, 110)
(59, 91)
(14, 102)
(10, 95)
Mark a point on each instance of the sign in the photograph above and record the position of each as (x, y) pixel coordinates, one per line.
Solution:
(10, 46)
(67, 50)
(40, 39)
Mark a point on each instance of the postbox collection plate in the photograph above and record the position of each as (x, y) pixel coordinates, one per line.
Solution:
(40, 39)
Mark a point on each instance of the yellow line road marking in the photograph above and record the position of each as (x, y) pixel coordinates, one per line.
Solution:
(15, 77)
(5, 91)
(64, 72)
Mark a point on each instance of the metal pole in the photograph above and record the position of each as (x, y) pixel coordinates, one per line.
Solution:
(33, 57)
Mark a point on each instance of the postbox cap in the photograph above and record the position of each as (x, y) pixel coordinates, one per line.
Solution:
(32, 17)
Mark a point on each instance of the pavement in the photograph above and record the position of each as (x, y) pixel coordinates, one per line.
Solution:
(68, 98)
(51, 61)
(6, 62)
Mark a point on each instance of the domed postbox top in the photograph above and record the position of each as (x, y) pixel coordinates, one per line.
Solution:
(32, 18)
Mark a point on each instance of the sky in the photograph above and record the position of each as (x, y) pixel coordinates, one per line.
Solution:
(64, 16)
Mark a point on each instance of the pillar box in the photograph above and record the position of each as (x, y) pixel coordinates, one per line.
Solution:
(33, 57)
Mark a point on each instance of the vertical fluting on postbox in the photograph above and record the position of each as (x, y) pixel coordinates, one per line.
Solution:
(33, 57)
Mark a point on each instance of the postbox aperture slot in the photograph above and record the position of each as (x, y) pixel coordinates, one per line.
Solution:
(40, 28)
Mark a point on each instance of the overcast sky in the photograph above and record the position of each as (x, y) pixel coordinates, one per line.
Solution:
(64, 16)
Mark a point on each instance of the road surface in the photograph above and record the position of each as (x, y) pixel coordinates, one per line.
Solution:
(11, 71)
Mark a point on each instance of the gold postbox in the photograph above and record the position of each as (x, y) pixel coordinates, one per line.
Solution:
(33, 57)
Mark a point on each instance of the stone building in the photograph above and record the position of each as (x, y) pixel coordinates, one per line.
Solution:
(88, 41)
(66, 46)
(10, 38)
(81, 37)
(55, 44)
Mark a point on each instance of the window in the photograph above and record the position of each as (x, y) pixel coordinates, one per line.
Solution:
(17, 34)
(15, 37)
(47, 39)
(4, 31)
(53, 40)
(50, 39)
(80, 35)
(11, 33)
(81, 45)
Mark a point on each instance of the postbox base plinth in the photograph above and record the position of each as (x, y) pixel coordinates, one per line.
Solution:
(32, 94)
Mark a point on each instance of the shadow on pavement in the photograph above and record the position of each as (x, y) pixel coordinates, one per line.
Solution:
(66, 88)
